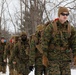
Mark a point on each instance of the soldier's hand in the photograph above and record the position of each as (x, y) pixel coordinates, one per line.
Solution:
(31, 68)
(75, 60)
(14, 62)
(45, 61)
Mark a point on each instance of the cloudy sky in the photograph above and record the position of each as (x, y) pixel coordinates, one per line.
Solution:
(13, 6)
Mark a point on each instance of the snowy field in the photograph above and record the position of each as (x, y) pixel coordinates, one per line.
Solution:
(73, 72)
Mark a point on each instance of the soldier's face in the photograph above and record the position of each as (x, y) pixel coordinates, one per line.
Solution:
(63, 17)
(2, 40)
(23, 37)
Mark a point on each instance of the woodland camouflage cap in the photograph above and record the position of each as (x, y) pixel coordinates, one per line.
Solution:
(61, 10)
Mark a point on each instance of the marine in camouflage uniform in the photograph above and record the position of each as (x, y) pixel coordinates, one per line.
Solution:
(35, 52)
(8, 52)
(56, 44)
(20, 55)
(2, 48)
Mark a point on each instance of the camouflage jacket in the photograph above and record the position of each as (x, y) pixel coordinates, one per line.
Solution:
(19, 53)
(35, 54)
(2, 48)
(56, 45)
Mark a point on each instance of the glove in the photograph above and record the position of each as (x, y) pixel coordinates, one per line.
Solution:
(75, 60)
(31, 68)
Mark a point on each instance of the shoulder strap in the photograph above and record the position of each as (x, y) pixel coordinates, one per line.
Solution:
(69, 28)
(39, 48)
(54, 25)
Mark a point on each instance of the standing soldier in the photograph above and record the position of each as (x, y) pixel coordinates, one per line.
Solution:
(2, 48)
(36, 52)
(59, 36)
(20, 55)
(8, 52)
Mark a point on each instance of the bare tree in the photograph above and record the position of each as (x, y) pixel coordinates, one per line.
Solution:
(34, 12)
(2, 10)
(32, 15)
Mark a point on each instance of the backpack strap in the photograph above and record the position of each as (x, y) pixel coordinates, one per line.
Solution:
(69, 28)
(54, 25)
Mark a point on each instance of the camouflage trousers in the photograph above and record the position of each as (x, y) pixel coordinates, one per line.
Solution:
(40, 70)
(13, 72)
(59, 68)
(23, 69)
(12, 69)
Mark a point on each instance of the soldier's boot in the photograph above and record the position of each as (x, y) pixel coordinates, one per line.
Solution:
(0, 68)
(4, 69)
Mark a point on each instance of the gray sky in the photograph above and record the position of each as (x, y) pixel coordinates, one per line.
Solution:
(13, 6)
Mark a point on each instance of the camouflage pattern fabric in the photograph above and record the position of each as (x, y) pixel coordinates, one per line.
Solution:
(36, 55)
(7, 54)
(59, 68)
(56, 46)
(2, 63)
(20, 56)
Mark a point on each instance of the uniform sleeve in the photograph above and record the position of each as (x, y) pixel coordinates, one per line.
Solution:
(46, 39)
(72, 41)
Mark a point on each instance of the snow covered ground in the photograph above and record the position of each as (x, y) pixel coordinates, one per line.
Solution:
(73, 72)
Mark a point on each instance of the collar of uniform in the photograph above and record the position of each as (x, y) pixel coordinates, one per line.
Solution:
(59, 24)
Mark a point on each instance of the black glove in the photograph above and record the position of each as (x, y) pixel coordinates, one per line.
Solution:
(31, 68)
